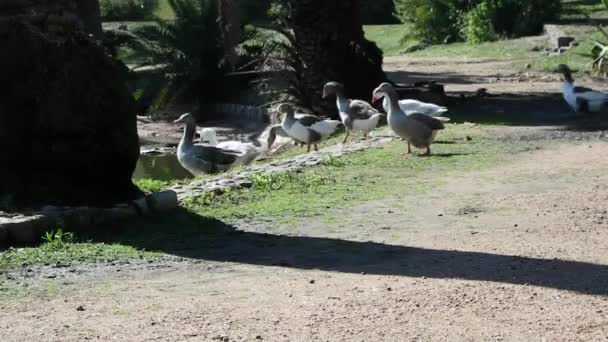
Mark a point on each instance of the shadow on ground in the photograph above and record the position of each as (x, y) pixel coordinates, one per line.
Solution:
(529, 109)
(188, 235)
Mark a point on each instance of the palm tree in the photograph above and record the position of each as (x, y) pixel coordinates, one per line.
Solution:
(330, 42)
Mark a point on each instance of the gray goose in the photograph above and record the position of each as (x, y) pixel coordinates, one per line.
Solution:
(416, 128)
(356, 115)
(200, 159)
(306, 128)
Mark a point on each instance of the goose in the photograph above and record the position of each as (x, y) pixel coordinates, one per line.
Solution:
(581, 99)
(409, 106)
(356, 115)
(200, 159)
(306, 128)
(416, 128)
(248, 151)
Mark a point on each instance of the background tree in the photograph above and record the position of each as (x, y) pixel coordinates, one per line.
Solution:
(330, 42)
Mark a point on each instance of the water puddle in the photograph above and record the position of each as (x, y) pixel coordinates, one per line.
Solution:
(164, 167)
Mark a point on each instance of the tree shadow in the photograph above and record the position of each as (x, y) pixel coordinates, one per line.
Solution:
(189, 235)
(528, 109)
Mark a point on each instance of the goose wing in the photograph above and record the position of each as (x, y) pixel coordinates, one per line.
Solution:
(428, 121)
(361, 110)
(308, 120)
(215, 155)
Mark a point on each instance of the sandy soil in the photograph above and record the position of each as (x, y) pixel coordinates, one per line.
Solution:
(514, 253)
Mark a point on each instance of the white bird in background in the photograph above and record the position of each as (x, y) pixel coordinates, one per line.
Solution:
(581, 99)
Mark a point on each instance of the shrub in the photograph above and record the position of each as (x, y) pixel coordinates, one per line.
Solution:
(439, 21)
(191, 47)
(516, 18)
(122, 10)
(433, 21)
(477, 25)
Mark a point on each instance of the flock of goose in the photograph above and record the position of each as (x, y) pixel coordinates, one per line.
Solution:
(416, 122)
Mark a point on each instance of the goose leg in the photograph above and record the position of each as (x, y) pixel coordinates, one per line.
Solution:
(428, 151)
(365, 135)
(346, 137)
(409, 150)
(316, 147)
(308, 150)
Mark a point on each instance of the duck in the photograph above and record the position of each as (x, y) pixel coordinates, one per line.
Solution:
(581, 99)
(204, 158)
(409, 106)
(416, 128)
(356, 115)
(306, 128)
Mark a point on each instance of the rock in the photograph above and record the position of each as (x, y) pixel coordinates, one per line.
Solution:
(163, 201)
(24, 230)
(67, 120)
(564, 42)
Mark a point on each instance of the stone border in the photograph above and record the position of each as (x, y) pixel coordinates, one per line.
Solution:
(19, 229)
(24, 229)
(243, 178)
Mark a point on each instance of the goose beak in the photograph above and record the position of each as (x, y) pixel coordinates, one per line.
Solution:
(375, 99)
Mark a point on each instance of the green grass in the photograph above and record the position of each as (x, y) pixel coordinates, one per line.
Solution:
(68, 253)
(338, 183)
(387, 37)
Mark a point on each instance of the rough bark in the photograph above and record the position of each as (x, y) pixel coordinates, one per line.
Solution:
(67, 121)
(90, 14)
(331, 43)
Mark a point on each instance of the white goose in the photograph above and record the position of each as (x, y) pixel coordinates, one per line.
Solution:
(200, 159)
(409, 106)
(248, 151)
(356, 115)
(306, 128)
(581, 99)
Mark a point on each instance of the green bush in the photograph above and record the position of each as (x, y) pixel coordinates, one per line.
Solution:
(191, 46)
(477, 25)
(517, 18)
(433, 21)
(440, 21)
(123, 10)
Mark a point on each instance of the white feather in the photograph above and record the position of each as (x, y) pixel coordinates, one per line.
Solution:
(367, 125)
(326, 127)
(409, 106)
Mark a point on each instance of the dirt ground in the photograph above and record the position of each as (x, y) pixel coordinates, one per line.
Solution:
(518, 252)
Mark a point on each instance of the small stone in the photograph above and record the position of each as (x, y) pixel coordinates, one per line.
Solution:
(311, 281)
(516, 225)
(468, 138)
(258, 337)
(80, 308)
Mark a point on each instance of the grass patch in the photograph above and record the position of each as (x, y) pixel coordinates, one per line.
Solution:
(345, 181)
(280, 198)
(62, 249)
(389, 38)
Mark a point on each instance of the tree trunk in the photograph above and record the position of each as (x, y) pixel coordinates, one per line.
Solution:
(331, 44)
(90, 14)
